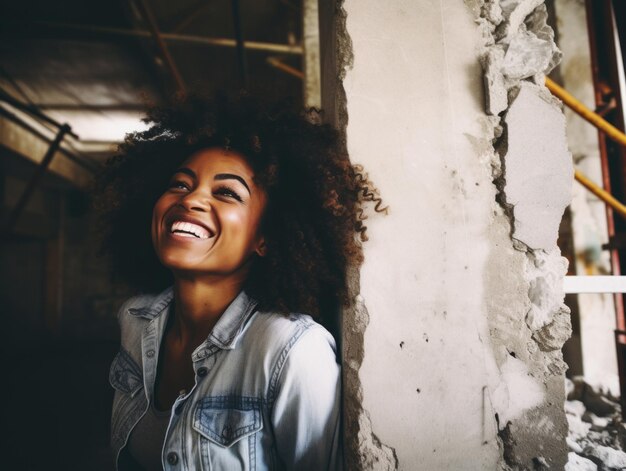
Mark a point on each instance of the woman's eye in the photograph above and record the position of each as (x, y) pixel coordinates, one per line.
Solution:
(177, 184)
(225, 191)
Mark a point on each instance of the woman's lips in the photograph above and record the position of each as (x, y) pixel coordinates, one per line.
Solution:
(181, 237)
(189, 229)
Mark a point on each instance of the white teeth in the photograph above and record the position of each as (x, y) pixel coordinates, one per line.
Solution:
(188, 229)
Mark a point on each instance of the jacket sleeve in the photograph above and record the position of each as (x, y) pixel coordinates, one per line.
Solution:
(307, 409)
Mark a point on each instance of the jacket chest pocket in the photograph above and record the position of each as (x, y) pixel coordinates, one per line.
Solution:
(125, 374)
(228, 429)
(126, 378)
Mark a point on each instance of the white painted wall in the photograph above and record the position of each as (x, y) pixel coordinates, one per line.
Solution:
(447, 290)
(415, 113)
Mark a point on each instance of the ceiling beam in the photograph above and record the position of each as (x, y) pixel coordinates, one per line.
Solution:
(294, 49)
(148, 16)
(182, 24)
(35, 178)
(25, 143)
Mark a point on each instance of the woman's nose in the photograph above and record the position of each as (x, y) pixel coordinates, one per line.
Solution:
(197, 201)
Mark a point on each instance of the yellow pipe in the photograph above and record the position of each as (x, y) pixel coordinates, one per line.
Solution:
(284, 67)
(600, 193)
(594, 118)
(600, 123)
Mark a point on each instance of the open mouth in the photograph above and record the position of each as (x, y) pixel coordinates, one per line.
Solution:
(189, 229)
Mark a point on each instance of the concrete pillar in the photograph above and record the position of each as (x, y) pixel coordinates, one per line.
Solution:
(452, 352)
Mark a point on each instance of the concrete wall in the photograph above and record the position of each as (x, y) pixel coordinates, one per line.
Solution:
(452, 354)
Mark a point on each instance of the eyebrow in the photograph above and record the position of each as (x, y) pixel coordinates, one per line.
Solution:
(219, 176)
(187, 171)
(230, 176)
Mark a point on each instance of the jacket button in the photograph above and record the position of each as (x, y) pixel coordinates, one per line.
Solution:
(202, 371)
(150, 353)
(172, 458)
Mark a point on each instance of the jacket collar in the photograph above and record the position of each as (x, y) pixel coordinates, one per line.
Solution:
(227, 329)
(232, 321)
(156, 306)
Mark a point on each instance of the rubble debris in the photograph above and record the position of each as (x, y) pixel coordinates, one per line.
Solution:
(596, 433)
(606, 458)
(526, 56)
(553, 336)
(578, 429)
(578, 463)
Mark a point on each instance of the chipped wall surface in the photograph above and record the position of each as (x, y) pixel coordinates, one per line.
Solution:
(453, 348)
(596, 311)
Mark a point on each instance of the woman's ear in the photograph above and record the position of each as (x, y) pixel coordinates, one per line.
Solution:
(261, 248)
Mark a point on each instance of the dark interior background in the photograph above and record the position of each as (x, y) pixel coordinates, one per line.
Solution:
(93, 65)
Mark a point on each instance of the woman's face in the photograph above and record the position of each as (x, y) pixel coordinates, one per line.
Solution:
(208, 220)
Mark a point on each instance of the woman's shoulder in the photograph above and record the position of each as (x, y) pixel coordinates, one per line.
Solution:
(296, 350)
(281, 333)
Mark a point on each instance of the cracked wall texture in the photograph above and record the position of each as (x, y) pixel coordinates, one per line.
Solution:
(453, 349)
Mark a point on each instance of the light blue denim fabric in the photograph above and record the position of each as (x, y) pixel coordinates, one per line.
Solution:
(266, 393)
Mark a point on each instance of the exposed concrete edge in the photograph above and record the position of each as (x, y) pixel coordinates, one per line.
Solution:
(523, 443)
(363, 449)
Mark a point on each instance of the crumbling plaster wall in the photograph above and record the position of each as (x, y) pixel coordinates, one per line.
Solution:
(452, 354)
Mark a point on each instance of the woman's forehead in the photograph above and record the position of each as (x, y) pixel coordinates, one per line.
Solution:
(215, 158)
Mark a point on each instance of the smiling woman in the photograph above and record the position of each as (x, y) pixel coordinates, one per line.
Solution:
(208, 220)
(243, 219)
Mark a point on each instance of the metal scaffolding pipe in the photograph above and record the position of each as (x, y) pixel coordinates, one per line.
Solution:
(587, 114)
(146, 12)
(191, 17)
(34, 180)
(604, 126)
(180, 38)
(275, 62)
(601, 193)
(31, 110)
(241, 53)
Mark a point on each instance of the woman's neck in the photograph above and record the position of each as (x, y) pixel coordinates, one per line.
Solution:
(198, 305)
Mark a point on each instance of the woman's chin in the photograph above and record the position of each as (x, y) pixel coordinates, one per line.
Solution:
(179, 263)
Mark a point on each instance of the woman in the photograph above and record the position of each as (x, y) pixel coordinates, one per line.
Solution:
(254, 212)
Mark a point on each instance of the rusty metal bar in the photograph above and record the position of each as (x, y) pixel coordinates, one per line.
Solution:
(146, 12)
(34, 180)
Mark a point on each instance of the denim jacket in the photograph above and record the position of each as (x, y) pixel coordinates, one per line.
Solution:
(266, 393)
